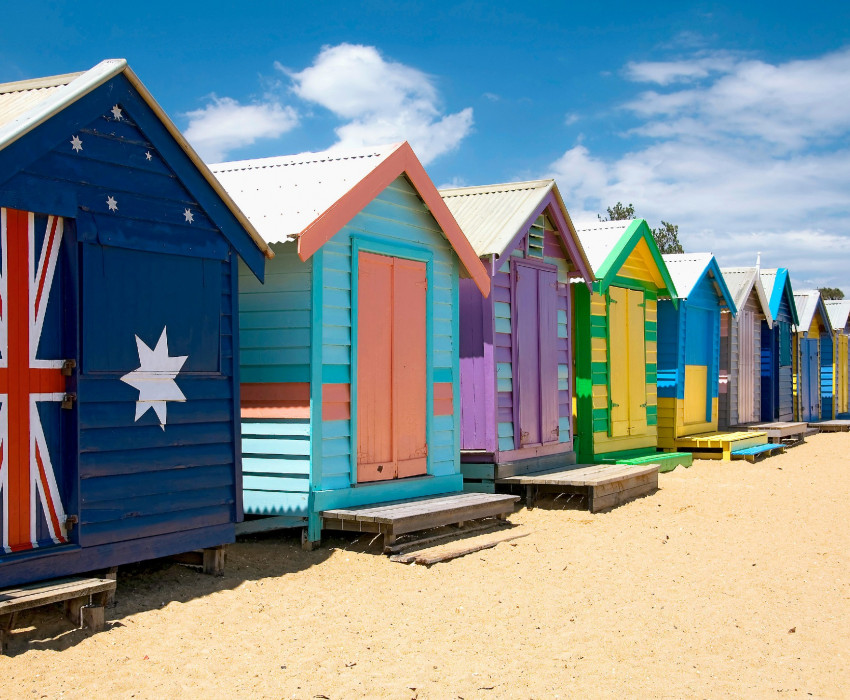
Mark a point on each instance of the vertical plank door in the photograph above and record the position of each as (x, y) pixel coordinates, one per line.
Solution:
(391, 368)
(618, 365)
(746, 366)
(637, 362)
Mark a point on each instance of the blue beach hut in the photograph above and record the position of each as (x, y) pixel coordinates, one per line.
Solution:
(119, 387)
(813, 355)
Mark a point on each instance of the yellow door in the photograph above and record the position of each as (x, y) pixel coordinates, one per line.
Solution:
(627, 348)
(696, 390)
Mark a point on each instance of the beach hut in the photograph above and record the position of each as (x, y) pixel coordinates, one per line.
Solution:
(739, 396)
(689, 358)
(777, 374)
(349, 351)
(813, 356)
(615, 342)
(516, 345)
(118, 386)
(839, 316)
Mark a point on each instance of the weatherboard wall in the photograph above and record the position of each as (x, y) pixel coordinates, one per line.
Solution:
(138, 488)
(740, 377)
(595, 366)
(489, 353)
(688, 364)
(299, 337)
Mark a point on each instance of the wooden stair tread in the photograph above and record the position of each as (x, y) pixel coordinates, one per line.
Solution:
(397, 511)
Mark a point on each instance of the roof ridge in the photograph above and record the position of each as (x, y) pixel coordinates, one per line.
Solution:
(495, 187)
(305, 158)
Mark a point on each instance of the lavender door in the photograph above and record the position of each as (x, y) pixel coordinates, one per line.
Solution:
(535, 365)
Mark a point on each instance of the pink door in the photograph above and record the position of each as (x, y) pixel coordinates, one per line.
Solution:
(391, 368)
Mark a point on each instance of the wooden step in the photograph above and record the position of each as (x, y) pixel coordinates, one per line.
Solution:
(666, 461)
(785, 432)
(831, 426)
(719, 445)
(604, 485)
(84, 600)
(415, 514)
(758, 452)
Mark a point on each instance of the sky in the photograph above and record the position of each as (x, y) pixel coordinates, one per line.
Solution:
(731, 121)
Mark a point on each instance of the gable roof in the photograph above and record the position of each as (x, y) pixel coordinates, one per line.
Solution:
(609, 243)
(839, 313)
(26, 104)
(495, 217)
(740, 281)
(777, 282)
(689, 269)
(809, 302)
(309, 197)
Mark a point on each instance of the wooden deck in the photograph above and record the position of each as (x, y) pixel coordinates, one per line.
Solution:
(84, 600)
(720, 445)
(780, 432)
(604, 485)
(832, 426)
(415, 514)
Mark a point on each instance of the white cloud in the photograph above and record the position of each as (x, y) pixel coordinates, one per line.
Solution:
(224, 125)
(754, 158)
(382, 101)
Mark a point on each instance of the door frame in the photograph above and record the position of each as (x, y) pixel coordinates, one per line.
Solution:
(545, 267)
(369, 244)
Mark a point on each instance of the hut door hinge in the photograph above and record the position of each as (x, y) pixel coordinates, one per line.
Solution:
(68, 367)
(68, 401)
(70, 521)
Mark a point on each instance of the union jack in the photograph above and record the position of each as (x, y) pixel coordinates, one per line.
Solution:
(28, 485)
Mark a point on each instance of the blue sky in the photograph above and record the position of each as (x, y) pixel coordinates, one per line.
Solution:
(730, 121)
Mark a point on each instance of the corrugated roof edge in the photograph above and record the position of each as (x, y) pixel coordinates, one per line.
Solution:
(781, 283)
(818, 308)
(753, 281)
(839, 311)
(95, 77)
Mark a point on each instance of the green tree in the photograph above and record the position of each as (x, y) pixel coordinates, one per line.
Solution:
(831, 293)
(666, 236)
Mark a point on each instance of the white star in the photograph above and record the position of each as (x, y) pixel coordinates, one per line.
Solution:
(77, 144)
(116, 113)
(148, 155)
(155, 378)
(112, 203)
(188, 215)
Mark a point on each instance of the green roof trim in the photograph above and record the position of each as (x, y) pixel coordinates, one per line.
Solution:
(608, 270)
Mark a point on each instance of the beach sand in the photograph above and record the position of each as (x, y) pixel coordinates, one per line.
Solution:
(733, 579)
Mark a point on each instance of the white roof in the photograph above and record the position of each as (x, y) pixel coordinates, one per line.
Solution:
(768, 280)
(839, 312)
(740, 281)
(807, 305)
(599, 239)
(686, 269)
(491, 215)
(282, 196)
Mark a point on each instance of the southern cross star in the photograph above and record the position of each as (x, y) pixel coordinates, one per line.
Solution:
(187, 214)
(76, 144)
(155, 378)
(116, 113)
(112, 203)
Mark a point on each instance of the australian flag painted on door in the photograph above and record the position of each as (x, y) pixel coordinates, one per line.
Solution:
(119, 389)
(36, 466)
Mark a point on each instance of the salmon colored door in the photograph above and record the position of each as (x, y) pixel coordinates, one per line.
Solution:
(391, 368)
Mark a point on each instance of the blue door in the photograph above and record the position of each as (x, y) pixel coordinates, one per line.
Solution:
(809, 380)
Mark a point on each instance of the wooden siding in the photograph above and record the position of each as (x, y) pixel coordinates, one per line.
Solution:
(731, 362)
(142, 489)
(396, 217)
(274, 329)
(593, 381)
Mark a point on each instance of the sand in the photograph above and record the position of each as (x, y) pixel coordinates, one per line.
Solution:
(732, 580)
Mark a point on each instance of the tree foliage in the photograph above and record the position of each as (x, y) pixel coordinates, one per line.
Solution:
(831, 293)
(666, 236)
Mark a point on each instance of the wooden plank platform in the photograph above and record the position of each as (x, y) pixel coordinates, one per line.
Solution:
(720, 445)
(458, 548)
(785, 432)
(831, 426)
(758, 452)
(666, 461)
(84, 600)
(604, 485)
(415, 514)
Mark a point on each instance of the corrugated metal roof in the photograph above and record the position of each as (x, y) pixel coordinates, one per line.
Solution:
(807, 305)
(768, 280)
(740, 281)
(282, 196)
(19, 97)
(686, 269)
(839, 312)
(598, 240)
(26, 104)
(491, 215)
